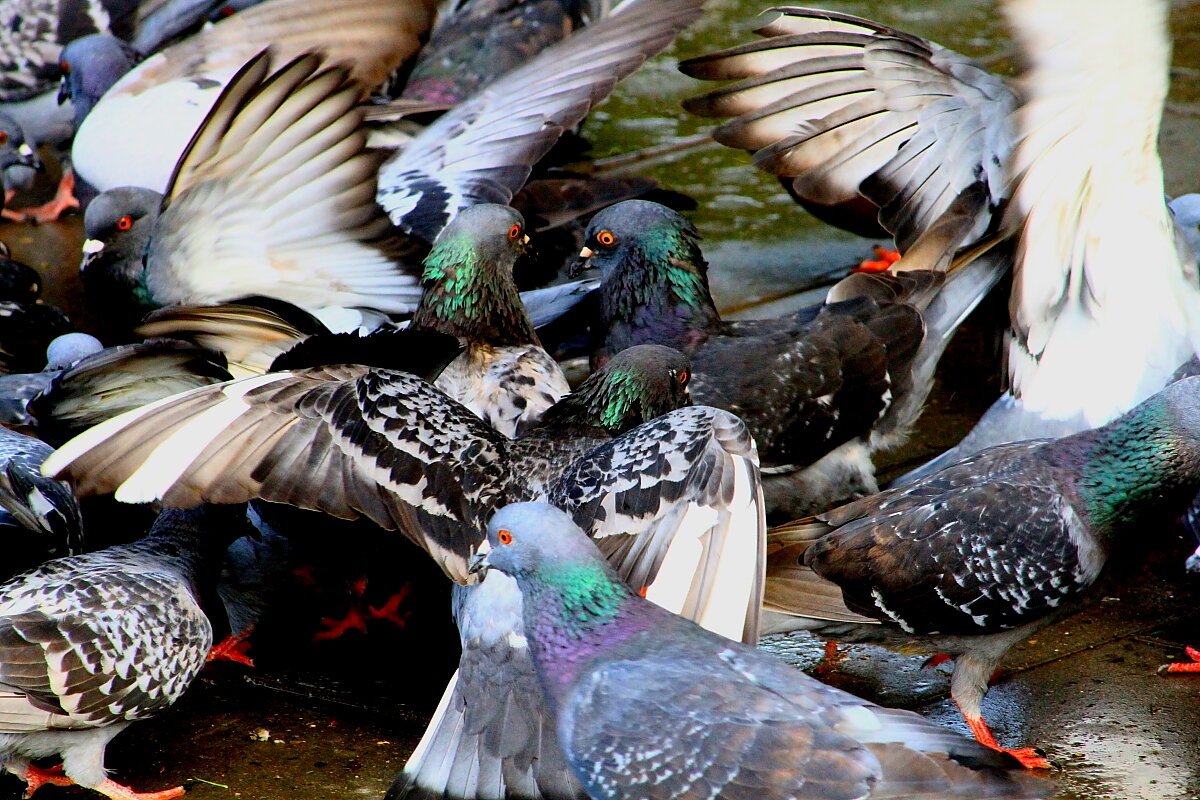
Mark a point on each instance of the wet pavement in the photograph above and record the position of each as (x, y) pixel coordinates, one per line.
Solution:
(337, 719)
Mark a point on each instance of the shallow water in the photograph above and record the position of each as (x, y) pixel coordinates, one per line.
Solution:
(1085, 691)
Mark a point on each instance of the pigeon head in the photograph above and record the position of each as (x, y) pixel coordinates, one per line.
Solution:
(90, 66)
(468, 284)
(637, 385)
(118, 224)
(18, 160)
(65, 350)
(537, 541)
(18, 282)
(654, 278)
(640, 234)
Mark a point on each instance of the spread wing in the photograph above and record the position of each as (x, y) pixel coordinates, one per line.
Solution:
(851, 110)
(676, 506)
(483, 149)
(347, 440)
(275, 196)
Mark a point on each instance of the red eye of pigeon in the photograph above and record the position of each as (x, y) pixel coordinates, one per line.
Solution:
(683, 378)
(124, 223)
(606, 238)
(3, 137)
(514, 231)
(504, 536)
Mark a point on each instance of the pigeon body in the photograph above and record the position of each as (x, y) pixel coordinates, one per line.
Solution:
(820, 389)
(68, 630)
(649, 705)
(972, 559)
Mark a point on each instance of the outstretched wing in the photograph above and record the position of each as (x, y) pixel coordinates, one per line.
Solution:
(275, 196)
(849, 109)
(483, 150)
(676, 506)
(347, 440)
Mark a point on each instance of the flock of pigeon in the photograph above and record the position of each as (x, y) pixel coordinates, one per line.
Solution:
(311, 221)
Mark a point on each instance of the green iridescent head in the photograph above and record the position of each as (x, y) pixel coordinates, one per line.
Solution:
(636, 386)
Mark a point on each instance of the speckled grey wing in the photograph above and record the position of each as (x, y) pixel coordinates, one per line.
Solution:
(44, 508)
(483, 149)
(347, 440)
(676, 507)
(683, 717)
(984, 553)
(109, 641)
(851, 110)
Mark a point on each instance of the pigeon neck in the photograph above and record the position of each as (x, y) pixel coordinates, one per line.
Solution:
(615, 402)
(474, 301)
(659, 296)
(573, 613)
(1144, 463)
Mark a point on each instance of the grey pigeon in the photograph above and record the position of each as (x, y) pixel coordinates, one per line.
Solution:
(971, 560)
(821, 389)
(19, 163)
(649, 705)
(91, 643)
(675, 499)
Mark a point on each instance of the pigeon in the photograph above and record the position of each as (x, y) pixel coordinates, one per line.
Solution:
(18, 389)
(820, 389)
(19, 164)
(274, 196)
(974, 558)
(504, 376)
(857, 112)
(394, 448)
(19, 282)
(90, 643)
(39, 517)
(140, 128)
(650, 705)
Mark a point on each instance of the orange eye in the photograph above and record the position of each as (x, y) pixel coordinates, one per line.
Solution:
(504, 536)
(606, 238)
(124, 223)
(3, 137)
(514, 231)
(65, 67)
(683, 378)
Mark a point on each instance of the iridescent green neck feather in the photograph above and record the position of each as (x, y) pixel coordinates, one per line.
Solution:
(468, 297)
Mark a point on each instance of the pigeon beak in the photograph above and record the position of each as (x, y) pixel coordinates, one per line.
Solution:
(64, 90)
(479, 563)
(29, 158)
(525, 239)
(92, 248)
(580, 264)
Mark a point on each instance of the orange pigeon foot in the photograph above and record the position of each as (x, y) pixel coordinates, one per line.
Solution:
(36, 777)
(884, 258)
(64, 199)
(1030, 757)
(1192, 666)
(233, 648)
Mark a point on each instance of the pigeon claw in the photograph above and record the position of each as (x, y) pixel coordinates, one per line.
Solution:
(390, 610)
(884, 258)
(1029, 757)
(116, 791)
(335, 628)
(64, 200)
(1192, 666)
(36, 777)
(233, 648)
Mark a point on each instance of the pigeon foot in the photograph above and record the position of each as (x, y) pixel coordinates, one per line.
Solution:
(1192, 666)
(1030, 757)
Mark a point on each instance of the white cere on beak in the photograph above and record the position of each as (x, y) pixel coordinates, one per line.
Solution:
(25, 150)
(586, 252)
(92, 246)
